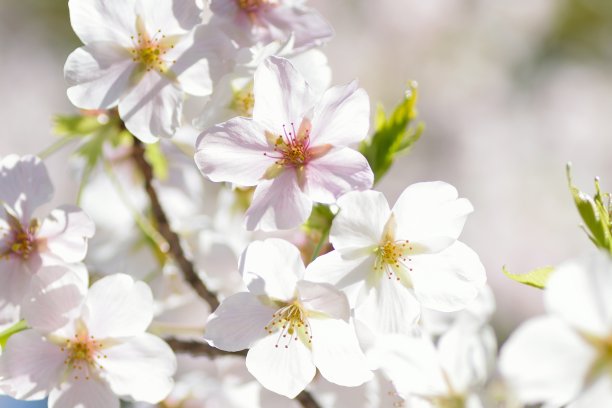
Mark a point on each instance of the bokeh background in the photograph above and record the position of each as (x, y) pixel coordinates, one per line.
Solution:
(509, 92)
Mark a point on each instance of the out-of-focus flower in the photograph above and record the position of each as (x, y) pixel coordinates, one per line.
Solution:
(566, 356)
(86, 348)
(143, 56)
(293, 149)
(261, 21)
(292, 327)
(26, 244)
(389, 261)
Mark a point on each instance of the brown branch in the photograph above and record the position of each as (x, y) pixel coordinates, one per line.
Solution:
(196, 348)
(306, 400)
(163, 226)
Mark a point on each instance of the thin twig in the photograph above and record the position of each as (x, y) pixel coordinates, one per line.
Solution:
(163, 226)
(196, 348)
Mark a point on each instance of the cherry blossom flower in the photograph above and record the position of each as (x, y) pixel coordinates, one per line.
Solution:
(261, 21)
(86, 348)
(565, 357)
(389, 261)
(26, 244)
(293, 149)
(292, 327)
(143, 56)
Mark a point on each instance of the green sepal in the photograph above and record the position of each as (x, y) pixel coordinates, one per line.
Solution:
(536, 278)
(16, 328)
(394, 134)
(594, 213)
(156, 158)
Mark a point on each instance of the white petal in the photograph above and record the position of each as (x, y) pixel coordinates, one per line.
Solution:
(65, 232)
(411, 363)
(141, 368)
(337, 172)
(284, 370)
(24, 184)
(15, 277)
(171, 17)
(278, 204)
(449, 280)
(430, 214)
(55, 297)
(323, 298)
(309, 28)
(580, 292)
(118, 307)
(342, 117)
(272, 268)
(238, 322)
(151, 109)
(360, 221)
(336, 352)
(100, 20)
(596, 395)
(31, 365)
(282, 96)
(98, 75)
(388, 307)
(315, 68)
(546, 361)
(234, 152)
(83, 393)
(346, 270)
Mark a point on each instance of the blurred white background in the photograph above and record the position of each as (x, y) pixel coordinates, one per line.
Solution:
(510, 91)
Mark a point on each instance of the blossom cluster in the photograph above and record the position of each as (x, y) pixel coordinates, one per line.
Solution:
(268, 272)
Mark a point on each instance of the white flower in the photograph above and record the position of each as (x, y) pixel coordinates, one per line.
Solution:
(86, 348)
(26, 244)
(261, 21)
(292, 327)
(143, 56)
(293, 149)
(389, 261)
(565, 357)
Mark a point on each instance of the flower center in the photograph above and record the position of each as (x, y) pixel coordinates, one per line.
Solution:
(150, 51)
(253, 5)
(391, 255)
(82, 355)
(291, 148)
(291, 321)
(243, 102)
(21, 240)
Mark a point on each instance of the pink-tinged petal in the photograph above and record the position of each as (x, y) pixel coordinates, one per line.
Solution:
(238, 322)
(346, 270)
(307, 25)
(234, 152)
(272, 268)
(24, 185)
(546, 361)
(171, 17)
(338, 171)
(324, 298)
(360, 221)
(342, 117)
(449, 280)
(64, 233)
(411, 363)
(118, 307)
(336, 352)
(31, 365)
(141, 368)
(98, 75)
(388, 307)
(82, 393)
(15, 277)
(224, 8)
(284, 370)
(100, 20)
(430, 214)
(278, 204)
(580, 292)
(151, 109)
(282, 96)
(55, 297)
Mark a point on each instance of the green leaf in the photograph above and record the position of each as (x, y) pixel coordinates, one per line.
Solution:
(75, 125)
(536, 278)
(594, 214)
(394, 134)
(157, 160)
(16, 328)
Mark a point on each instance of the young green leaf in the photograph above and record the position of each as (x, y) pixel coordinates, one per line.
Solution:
(536, 278)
